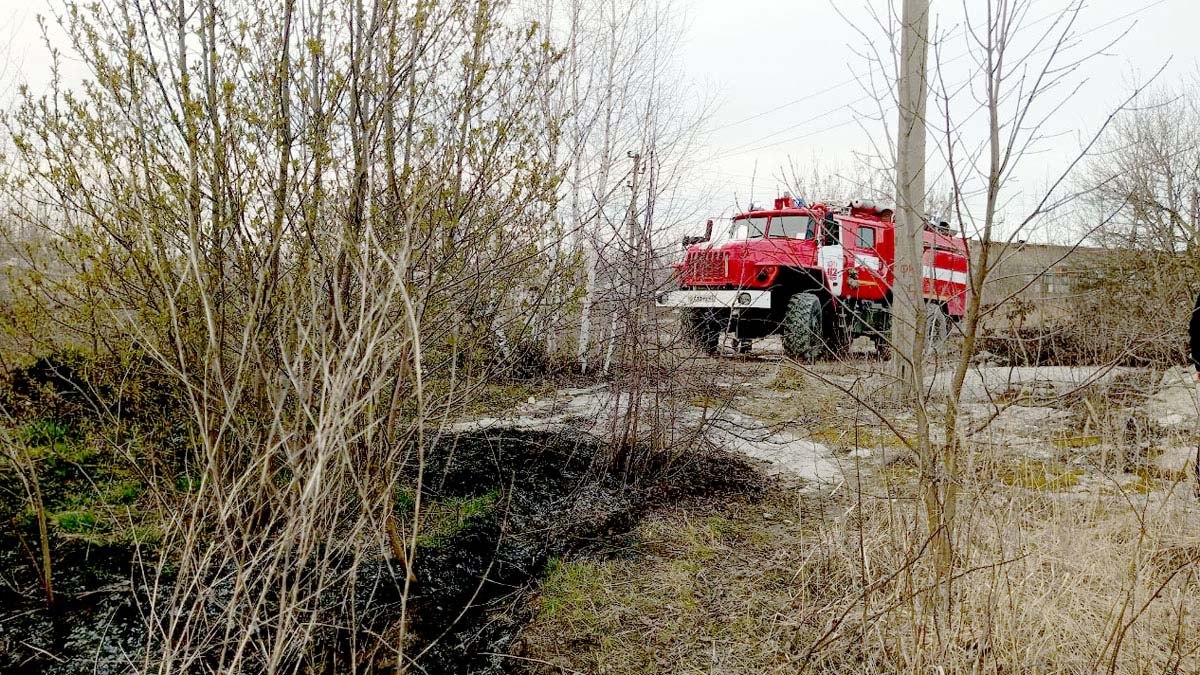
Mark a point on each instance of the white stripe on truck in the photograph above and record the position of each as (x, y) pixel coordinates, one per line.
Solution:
(943, 274)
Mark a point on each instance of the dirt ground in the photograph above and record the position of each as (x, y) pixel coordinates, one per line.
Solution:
(1076, 541)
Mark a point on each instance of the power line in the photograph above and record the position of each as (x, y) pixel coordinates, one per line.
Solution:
(848, 105)
(790, 140)
(737, 149)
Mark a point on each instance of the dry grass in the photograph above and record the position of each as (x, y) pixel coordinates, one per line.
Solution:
(1047, 581)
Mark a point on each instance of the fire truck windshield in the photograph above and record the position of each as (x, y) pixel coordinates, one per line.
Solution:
(749, 228)
(793, 227)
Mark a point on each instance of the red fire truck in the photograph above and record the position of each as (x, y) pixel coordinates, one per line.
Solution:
(818, 276)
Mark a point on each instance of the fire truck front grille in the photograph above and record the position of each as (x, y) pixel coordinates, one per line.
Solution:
(708, 265)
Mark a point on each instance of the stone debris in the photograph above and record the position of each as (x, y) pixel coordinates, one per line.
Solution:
(1028, 421)
(991, 382)
(1176, 460)
(1175, 404)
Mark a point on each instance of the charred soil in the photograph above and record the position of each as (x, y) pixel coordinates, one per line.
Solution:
(553, 495)
(499, 507)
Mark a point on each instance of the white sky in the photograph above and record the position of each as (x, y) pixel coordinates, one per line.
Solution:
(782, 75)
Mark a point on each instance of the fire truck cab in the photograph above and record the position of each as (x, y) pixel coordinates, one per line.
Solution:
(818, 276)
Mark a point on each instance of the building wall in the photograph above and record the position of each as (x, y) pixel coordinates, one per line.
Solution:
(1037, 283)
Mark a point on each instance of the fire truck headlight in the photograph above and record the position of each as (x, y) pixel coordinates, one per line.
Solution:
(743, 298)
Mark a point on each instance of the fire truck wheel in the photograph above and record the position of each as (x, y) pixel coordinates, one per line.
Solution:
(703, 329)
(802, 339)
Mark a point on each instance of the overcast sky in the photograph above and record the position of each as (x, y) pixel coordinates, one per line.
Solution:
(782, 74)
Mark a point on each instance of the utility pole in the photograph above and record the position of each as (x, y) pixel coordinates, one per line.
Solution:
(634, 237)
(908, 315)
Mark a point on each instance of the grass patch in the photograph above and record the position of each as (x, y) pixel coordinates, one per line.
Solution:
(862, 437)
(700, 594)
(443, 519)
(142, 535)
(78, 522)
(1037, 475)
(710, 401)
(568, 589)
(187, 482)
(1146, 482)
(788, 379)
(744, 591)
(122, 493)
(1072, 442)
(44, 432)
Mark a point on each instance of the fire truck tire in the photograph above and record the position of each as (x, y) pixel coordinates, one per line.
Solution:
(703, 330)
(801, 330)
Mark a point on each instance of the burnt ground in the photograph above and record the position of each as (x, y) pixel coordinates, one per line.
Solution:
(555, 498)
(539, 495)
(95, 625)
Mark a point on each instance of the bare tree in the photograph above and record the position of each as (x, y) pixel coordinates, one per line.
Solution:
(1143, 208)
(1021, 76)
(1021, 71)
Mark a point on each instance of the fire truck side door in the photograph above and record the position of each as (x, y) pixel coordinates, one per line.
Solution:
(865, 259)
(831, 255)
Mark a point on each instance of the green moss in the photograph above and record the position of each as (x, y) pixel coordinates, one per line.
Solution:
(1076, 441)
(1038, 475)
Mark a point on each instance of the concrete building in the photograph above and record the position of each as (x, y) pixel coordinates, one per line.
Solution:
(1035, 283)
